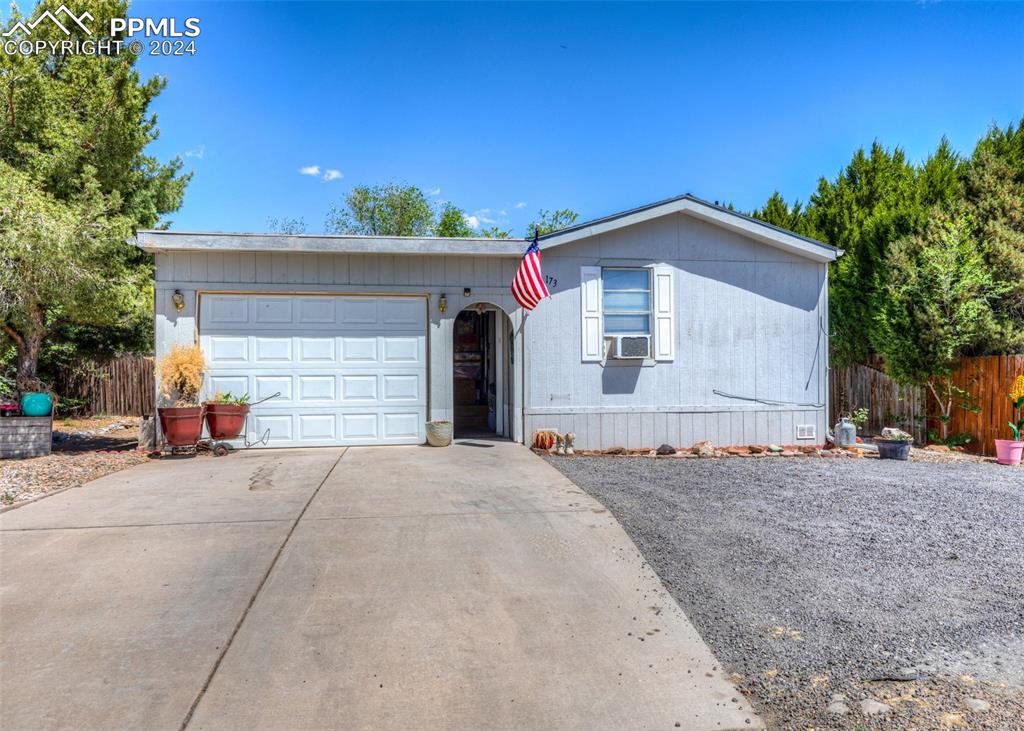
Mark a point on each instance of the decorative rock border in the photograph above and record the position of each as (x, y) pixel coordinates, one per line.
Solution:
(707, 450)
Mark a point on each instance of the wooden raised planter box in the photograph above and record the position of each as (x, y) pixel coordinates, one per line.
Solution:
(25, 436)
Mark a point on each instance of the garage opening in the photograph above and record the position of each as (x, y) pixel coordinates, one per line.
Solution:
(482, 368)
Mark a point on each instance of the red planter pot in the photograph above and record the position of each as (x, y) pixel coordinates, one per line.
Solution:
(181, 425)
(225, 421)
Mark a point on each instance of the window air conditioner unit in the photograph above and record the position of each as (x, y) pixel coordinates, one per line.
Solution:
(631, 346)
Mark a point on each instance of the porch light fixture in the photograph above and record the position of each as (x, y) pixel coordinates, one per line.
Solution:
(178, 299)
(466, 292)
(442, 304)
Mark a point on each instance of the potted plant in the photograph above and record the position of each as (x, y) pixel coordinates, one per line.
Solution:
(894, 444)
(225, 415)
(36, 397)
(1009, 451)
(180, 375)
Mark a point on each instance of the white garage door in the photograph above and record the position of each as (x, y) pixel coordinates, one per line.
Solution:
(350, 369)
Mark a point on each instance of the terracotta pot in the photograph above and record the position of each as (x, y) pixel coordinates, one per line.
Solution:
(225, 421)
(1009, 452)
(181, 425)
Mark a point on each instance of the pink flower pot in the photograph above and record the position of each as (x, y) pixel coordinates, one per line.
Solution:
(1008, 451)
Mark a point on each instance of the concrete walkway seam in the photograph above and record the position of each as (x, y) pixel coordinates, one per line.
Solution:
(256, 593)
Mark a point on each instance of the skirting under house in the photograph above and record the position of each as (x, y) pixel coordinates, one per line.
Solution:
(672, 323)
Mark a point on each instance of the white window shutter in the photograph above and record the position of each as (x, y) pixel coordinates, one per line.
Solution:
(664, 313)
(590, 313)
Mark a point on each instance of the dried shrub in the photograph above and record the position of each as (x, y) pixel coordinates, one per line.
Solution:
(180, 374)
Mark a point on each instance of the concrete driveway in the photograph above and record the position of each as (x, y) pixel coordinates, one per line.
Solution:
(394, 587)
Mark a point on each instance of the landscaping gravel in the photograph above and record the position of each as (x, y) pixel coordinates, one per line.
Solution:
(840, 593)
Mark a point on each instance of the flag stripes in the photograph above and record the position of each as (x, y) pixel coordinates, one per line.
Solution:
(528, 285)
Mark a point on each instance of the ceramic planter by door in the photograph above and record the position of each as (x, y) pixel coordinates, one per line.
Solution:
(439, 433)
(1009, 452)
(225, 421)
(893, 449)
(182, 426)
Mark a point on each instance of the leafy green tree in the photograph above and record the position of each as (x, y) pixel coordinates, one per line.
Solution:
(383, 210)
(995, 201)
(549, 221)
(493, 232)
(73, 134)
(779, 213)
(286, 225)
(937, 305)
(452, 223)
(60, 262)
(1007, 145)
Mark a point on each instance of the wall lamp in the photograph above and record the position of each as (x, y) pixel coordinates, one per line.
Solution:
(178, 299)
(466, 292)
(442, 304)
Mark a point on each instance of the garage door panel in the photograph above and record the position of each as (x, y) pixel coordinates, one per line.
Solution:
(349, 369)
(401, 387)
(359, 427)
(400, 349)
(359, 388)
(401, 425)
(227, 350)
(266, 386)
(357, 310)
(318, 427)
(272, 350)
(316, 311)
(222, 310)
(272, 310)
(236, 385)
(316, 388)
(409, 312)
(317, 350)
(279, 427)
(358, 350)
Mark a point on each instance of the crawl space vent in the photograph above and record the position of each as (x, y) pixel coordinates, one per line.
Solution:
(805, 431)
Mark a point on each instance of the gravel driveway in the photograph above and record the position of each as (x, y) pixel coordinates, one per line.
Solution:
(830, 586)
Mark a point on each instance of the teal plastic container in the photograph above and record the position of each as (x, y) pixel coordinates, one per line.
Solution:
(36, 404)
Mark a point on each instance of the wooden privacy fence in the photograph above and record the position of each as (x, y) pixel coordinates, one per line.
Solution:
(888, 403)
(122, 387)
(987, 379)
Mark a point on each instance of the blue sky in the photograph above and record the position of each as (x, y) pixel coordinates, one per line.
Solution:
(504, 109)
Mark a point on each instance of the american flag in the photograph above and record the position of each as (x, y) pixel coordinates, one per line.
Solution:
(528, 286)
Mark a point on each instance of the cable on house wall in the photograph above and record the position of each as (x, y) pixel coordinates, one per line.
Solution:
(766, 402)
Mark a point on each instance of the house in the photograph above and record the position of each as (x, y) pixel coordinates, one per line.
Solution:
(675, 322)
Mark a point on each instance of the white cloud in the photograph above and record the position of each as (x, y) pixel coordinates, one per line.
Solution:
(198, 152)
(434, 192)
(471, 221)
(331, 174)
(520, 204)
(310, 170)
(483, 215)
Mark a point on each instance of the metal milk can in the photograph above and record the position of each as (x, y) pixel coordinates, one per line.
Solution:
(846, 432)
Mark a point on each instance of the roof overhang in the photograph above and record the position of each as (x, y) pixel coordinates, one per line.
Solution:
(154, 241)
(687, 204)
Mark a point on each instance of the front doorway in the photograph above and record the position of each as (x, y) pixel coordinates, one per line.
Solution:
(482, 372)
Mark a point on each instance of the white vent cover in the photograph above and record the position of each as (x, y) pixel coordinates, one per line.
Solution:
(805, 431)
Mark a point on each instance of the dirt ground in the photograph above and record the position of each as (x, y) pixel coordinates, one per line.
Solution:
(83, 450)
